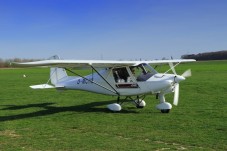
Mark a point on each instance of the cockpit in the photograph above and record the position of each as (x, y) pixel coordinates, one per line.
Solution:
(141, 72)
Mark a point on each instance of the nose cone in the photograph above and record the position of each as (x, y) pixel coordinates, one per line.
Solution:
(179, 78)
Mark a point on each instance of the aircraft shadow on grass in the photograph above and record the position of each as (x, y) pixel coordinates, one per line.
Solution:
(49, 109)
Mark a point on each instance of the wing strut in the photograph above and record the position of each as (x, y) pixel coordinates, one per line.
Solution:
(115, 92)
(105, 80)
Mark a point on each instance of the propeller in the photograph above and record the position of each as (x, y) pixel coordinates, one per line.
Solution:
(176, 94)
(187, 73)
(172, 68)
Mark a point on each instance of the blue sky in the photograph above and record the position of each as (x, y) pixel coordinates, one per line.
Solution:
(111, 29)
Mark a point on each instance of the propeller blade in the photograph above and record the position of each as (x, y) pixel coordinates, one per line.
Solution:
(187, 73)
(176, 94)
(172, 68)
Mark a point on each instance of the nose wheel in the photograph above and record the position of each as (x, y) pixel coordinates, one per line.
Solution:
(165, 110)
(164, 106)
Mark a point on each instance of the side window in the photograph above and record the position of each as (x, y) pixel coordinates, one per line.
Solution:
(120, 75)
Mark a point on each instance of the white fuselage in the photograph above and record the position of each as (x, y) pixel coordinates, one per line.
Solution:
(95, 83)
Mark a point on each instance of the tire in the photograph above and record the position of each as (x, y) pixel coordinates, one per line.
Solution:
(165, 110)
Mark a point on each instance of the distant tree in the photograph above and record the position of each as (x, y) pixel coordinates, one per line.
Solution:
(1, 63)
(219, 55)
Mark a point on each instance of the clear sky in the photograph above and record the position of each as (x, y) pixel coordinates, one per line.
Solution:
(111, 29)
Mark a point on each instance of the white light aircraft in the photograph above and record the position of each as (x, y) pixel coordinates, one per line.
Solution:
(130, 79)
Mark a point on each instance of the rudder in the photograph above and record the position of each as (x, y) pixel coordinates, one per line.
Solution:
(57, 74)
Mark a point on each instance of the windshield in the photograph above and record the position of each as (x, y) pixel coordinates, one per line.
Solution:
(143, 72)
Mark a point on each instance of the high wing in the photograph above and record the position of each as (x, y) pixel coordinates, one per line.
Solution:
(76, 63)
(94, 63)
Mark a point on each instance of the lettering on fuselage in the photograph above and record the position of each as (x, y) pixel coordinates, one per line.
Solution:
(84, 81)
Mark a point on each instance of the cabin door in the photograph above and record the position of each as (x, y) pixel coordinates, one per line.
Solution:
(124, 78)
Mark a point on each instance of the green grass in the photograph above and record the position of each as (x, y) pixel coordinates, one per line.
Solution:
(76, 120)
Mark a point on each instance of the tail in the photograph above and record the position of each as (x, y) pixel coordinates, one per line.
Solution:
(57, 74)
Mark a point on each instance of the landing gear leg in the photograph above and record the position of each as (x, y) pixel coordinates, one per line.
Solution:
(164, 106)
(118, 99)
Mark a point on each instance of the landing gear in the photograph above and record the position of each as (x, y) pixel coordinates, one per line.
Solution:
(138, 102)
(164, 106)
(115, 107)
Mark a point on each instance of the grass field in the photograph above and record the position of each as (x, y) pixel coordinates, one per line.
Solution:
(33, 120)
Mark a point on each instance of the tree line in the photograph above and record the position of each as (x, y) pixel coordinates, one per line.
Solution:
(6, 63)
(218, 55)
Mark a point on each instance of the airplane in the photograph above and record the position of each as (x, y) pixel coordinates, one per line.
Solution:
(133, 80)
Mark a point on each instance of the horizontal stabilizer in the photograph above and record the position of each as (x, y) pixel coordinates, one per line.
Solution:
(42, 86)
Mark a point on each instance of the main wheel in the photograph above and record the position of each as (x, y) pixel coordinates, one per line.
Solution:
(165, 110)
(140, 104)
(114, 107)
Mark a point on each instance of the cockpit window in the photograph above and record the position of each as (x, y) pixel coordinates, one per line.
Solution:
(143, 72)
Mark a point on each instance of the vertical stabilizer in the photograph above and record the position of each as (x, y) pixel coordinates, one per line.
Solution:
(57, 74)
